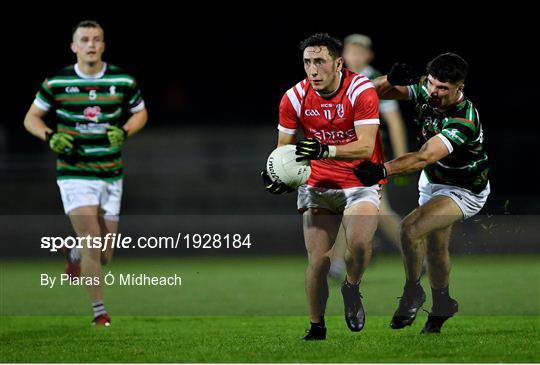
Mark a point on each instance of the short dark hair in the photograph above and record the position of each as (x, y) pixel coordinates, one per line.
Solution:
(86, 24)
(333, 45)
(448, 67)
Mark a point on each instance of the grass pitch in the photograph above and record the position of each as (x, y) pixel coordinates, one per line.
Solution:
(252, 309)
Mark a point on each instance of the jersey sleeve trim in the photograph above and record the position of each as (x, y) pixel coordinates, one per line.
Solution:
(137, 108)
(41, 104)
(412, 92)
(286, 130)
(446, 142)
(388, 106)
(366, 122)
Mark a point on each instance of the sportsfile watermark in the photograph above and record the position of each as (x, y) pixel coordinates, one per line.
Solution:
(122, 241)
(489, 255)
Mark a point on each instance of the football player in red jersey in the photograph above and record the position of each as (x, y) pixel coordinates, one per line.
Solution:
(338, 112)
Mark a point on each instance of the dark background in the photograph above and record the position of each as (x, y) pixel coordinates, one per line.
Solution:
(212, 80)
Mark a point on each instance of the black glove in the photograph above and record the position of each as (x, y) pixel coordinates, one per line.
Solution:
(370, 173)
(311, 149)
(274, 187)
(402, 74)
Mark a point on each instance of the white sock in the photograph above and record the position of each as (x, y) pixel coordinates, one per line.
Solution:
(337, 268)
(75, 254)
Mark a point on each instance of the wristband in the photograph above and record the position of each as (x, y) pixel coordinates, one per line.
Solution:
(332, 150)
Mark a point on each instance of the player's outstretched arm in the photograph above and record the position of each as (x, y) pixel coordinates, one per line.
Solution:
(435, 149)
(394, 85)
(387, 91)
(34, 123)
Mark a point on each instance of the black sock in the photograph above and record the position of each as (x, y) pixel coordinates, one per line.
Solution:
(440, 295)
(412, 286)
(318, 324)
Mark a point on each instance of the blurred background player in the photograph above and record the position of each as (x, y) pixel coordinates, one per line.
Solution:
(89, 102)
(358, 54)
(454, 183)
(338, 112)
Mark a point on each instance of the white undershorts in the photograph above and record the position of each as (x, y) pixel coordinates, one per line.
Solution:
(336, 200)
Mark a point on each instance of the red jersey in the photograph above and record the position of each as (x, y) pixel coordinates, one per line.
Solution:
(332, 121)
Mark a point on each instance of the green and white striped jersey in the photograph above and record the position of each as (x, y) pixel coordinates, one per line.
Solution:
(459, 127)
(84, 106)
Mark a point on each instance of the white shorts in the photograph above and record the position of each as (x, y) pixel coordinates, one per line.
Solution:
(80, 192)
(336, 200)
(469, 202)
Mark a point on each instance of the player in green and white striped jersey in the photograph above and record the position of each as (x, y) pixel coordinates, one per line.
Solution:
(454, 183)
(96, 106)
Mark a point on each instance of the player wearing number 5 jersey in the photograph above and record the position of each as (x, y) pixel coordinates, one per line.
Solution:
(95, 106)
